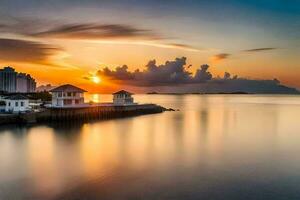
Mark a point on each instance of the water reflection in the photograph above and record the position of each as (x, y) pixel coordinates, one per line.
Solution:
(232, 144)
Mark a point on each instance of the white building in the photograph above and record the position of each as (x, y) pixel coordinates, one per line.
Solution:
(67, 96)
(16, 103)
(122, 97)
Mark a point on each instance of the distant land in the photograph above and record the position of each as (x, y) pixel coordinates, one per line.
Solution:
(229, 86)
(43, 88)
(238, 86)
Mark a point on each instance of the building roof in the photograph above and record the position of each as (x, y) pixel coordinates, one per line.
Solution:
(17, 97)
(67, 88)
(123, 92)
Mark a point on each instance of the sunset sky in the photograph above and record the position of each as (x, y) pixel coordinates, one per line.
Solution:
(68, 41)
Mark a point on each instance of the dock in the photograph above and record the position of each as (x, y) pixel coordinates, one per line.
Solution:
(91, 112)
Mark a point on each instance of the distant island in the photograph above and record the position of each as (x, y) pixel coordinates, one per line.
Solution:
(157, 93)
(230, 86)
(199, 93)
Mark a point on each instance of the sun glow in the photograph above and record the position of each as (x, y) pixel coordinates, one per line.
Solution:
(96, 79)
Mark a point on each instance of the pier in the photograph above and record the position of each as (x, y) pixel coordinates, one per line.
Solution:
(85, 113)
(68, 105)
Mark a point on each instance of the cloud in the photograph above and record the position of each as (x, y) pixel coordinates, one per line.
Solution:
(173, 77)
(26, 51)
(93, 31)
(171, 73)
(227, 76)
(202, 74)
(76, 31)
(260, 49)
(219, 57)
(184, 46)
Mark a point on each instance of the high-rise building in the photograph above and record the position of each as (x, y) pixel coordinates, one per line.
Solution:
(8, 79)
(11, 81)
(31, 84)
(21, 83)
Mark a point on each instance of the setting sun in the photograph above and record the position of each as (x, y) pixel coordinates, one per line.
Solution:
(96, 79)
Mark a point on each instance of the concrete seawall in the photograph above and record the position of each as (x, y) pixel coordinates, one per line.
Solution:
(89, 112)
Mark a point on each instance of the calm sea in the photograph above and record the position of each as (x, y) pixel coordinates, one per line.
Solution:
(216, 147)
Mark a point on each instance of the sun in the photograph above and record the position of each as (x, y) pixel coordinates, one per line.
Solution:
(96, 79)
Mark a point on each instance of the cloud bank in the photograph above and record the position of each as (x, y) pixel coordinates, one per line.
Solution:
(25, 51)
(171, 73)
(94, 32)
(173, 76)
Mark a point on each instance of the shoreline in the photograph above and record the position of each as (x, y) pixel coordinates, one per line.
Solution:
(86, 113)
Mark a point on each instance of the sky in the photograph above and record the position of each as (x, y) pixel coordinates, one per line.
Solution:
(93, 43)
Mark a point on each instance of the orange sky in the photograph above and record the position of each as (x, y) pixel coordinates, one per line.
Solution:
(63, 42)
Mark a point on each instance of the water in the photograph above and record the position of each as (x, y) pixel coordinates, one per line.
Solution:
(215, 147)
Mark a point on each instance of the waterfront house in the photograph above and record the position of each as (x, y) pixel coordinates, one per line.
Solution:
(67, 96)
(122, 97)
(16, 103)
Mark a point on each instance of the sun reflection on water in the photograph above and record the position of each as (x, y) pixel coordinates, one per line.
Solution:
(209, 135)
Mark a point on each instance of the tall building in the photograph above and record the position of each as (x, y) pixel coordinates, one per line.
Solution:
(8, 79)
(21, 83)
(31, 84)
(11, 81)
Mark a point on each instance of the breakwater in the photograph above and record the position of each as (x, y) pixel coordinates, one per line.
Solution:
(86, 113)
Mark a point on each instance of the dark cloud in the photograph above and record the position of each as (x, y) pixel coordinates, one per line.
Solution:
(173, 77)
(87, 31)
(202, 74)
(227, 76)
(260, 49)
(25, 51)
(95, 31)
(171, 73)
(221, 56)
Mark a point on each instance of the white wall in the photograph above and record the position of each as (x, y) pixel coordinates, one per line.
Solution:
(12, 107)
(58, 100)
(121, 99)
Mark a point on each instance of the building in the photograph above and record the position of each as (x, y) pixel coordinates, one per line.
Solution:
(31, 84)
(25, 83)
(21, 83)
(67, 96)
(8, 79)
(16, 104)
(12, 81)
(122, 97)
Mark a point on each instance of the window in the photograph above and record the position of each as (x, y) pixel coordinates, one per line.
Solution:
(69, 94)
(16, 104)
(22, 104)
(67, 101)
(8, 103)
(60, 94)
